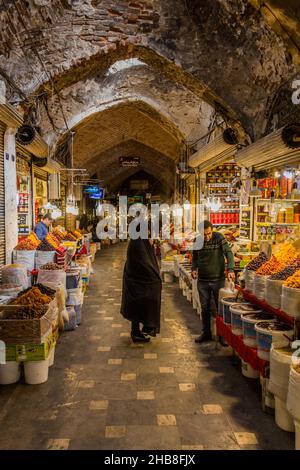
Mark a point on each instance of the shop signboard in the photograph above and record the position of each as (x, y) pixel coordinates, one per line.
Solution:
(129, 162)
(139, 184)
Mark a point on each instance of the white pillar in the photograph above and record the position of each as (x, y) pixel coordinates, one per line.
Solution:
(11, 208)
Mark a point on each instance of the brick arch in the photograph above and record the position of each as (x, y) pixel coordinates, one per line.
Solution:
(228, 54)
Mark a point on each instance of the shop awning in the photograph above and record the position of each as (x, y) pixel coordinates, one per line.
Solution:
(217, 160)
(224, 146)
(11, 117)
(276, 149)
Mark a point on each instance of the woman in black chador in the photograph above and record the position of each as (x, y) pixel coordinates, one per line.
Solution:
(141, 296)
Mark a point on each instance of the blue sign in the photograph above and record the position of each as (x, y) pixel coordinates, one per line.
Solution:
(97, 195)
(92, 189)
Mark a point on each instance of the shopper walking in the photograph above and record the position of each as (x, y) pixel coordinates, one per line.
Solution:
(208, 265)
(141, 296)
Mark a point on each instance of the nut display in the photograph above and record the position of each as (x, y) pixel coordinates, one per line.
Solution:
(50, 266)
(293, 281)
(257, 262)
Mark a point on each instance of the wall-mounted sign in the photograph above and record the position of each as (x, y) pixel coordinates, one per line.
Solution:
(139, 184)
(126, 162)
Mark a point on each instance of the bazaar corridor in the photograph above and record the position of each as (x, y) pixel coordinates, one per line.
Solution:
(104, 392)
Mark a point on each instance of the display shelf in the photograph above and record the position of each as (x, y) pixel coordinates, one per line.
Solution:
(232, 223)
(278, 200)
(262, 224)
(266, 307)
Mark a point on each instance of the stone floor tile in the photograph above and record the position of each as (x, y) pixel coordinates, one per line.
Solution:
(212, 409)
(58, 444)
(86, 384)
(115, 362)
(115, 431)
(97, 405)
(166, 370)
(104, 348)
(166, 420)
(187, 387)
(150, 356)
(145, 395)
(126, 377)
(245, 438)
(125, 335)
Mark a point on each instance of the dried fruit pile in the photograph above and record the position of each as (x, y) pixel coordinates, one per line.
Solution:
(29, 243)
(50, 266)
(293, 281)
(287, 271)
(45, 246)
(257, 262)
(70, 237)
(285, 255)
(35, 305)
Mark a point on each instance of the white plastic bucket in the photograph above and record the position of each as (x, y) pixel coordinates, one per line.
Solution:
(293, 402)
(10, 373)
(271, 332)
(168, 277)
(223, 293)
(290, 301)
(36, 372)
(283, 418)
(297, 435)
(51, 356)
(249, 332)
(237, 311)
(227, 302)
(280, 362)
(248, 371)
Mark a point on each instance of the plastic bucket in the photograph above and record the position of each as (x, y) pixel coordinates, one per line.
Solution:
(10, 373)
(51, 356)
(248, 371)
(77, 309)
(249, 321)
(227, 302)
(73, 279)
(297, 435)
(168, 277)
(189, 295)
(36, 372)
(283, 418)
(268, 332)
(280, 364)
(71, 324)
(236, 316)
(223, 293)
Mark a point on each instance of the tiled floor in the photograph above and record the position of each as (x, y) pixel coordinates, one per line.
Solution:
(104, 392)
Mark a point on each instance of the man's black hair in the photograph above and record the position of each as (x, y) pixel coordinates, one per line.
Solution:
(207, 224)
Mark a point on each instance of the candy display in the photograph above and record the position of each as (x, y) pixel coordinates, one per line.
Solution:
(293, 281)
(257, 262)
(50, 266)
(270, 267)
(277, 263)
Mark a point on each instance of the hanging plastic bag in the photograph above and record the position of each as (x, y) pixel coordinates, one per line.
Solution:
(15, 274)
(25, 257)
(44, 257)
(55, 276)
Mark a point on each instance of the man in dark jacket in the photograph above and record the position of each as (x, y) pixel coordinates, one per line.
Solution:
(209, 266)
